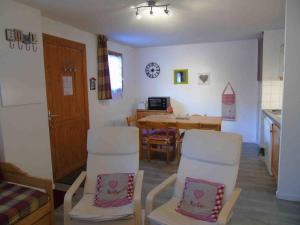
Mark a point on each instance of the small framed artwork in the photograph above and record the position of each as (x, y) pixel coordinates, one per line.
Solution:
(92, 83)
(181, 76)
(204, 78)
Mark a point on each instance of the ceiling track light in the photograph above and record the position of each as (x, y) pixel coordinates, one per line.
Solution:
(151, 4)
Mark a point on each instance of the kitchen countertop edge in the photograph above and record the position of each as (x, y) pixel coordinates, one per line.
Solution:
(276, 119)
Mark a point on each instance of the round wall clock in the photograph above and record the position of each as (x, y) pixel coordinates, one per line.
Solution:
(152, 70)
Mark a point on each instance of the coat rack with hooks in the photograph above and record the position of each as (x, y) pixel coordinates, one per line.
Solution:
(15, 36)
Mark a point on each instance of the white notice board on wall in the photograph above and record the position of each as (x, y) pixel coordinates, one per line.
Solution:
(22, 76)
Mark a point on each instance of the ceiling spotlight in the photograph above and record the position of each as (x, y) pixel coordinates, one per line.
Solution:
(151, 12)
(138, 16)
(167, 11)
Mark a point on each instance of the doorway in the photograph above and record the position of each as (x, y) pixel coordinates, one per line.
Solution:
(66, 86)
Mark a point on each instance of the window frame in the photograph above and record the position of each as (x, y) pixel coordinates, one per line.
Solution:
(118, 54)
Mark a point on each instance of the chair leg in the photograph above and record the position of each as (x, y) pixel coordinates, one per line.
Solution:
(142, 151)
(178, 152)
(148, 152)
(168, 153)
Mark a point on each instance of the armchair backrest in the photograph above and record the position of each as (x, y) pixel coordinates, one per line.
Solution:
(111, 150)
(209, 155)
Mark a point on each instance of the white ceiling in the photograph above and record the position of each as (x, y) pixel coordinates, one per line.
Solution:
(192, 21)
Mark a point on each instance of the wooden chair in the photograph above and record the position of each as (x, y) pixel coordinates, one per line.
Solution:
(44, 214)
(131, 120)
(159, 142)
(179, 138)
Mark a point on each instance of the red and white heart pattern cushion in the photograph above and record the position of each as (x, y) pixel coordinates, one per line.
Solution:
(201, 199)
(114, 190)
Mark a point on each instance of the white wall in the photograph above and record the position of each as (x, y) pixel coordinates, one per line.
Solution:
(227, 61)
(108, 112)
(24, 127)
(289, 167)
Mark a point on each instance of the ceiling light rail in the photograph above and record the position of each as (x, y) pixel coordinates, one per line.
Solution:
(151, 4)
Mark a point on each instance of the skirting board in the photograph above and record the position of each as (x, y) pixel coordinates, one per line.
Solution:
(295, 198)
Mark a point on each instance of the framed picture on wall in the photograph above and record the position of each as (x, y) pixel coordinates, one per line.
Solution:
(181, 76)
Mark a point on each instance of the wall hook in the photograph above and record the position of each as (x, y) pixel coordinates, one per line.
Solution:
(34, 47)
(11, 44)
(20, 46)
(27, 47)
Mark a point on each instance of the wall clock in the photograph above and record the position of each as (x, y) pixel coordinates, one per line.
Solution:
(152, 70)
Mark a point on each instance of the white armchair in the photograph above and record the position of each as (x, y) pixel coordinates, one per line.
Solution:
(208, 155)
(110, 150)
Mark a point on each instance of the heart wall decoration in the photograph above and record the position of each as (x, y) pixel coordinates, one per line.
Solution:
(204, 78)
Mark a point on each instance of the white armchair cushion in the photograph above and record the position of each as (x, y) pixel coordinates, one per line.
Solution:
(86, 211)
(166, 215)
(201, 199)
(114, 190)
(214, 147)
(209, 155)
(102, 164)
(206, 171)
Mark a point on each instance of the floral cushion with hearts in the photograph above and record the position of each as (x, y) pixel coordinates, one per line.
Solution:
(114, 190)
(201, 199)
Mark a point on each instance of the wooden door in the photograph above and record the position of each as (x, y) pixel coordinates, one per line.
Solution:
(65, 69)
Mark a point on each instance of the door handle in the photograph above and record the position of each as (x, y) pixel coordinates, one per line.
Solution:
(51, 116)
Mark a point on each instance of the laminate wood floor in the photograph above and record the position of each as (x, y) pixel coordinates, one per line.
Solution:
(257, 204)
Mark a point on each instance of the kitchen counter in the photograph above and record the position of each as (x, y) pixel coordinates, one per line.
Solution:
(274, 115)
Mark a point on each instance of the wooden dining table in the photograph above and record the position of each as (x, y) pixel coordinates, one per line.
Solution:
(203, 122)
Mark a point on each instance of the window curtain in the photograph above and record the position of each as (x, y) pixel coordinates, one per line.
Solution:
(104, 86)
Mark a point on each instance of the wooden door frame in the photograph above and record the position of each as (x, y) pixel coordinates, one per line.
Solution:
(47, 38)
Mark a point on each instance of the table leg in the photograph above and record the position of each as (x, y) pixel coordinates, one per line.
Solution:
(141, 144)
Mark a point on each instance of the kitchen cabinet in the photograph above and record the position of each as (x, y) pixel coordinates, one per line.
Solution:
(267, 143)
(271, 141)
(275, 150)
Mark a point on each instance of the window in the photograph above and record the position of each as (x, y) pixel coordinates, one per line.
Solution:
(116, 73)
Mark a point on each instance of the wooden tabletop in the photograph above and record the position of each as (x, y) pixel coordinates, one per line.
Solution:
(211, 120)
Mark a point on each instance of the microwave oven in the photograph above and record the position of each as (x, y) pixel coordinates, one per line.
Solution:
(158, 103)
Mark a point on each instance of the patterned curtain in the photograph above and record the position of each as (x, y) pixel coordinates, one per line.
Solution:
(104, 87)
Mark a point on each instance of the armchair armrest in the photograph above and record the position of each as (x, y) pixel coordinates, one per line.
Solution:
(155, 191)
(226, 211)
(69, 195)
(137, 197)
(12, 173)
